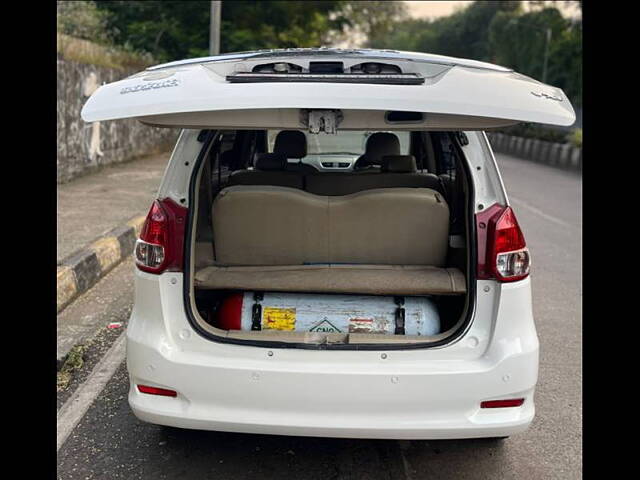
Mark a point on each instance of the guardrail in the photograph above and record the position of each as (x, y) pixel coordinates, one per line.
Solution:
(561, 155)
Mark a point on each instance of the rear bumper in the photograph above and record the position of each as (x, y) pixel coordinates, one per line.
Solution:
(392, 405)
(399, 394)
(450, 431)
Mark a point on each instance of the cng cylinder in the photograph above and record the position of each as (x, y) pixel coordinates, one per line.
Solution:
(304, 312)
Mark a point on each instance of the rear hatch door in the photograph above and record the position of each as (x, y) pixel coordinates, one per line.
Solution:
(240, 88)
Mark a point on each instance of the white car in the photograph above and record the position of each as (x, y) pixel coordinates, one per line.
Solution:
(386, 298)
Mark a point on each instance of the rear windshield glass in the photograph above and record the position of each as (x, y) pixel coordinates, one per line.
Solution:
(344, 142)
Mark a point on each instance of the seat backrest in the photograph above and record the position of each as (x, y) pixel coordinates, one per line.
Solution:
(265, 225)
(390, 226)
(398, 164)
(397, 171)
(300, 167)
(269, 170)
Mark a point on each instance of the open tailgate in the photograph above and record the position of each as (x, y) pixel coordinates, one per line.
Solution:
(450, 92)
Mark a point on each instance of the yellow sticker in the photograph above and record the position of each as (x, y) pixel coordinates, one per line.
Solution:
(278, 318)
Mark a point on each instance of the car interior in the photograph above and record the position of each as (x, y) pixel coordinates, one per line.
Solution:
(392, 224)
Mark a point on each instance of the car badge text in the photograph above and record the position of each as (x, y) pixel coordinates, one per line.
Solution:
(546, 95)
(151, 86)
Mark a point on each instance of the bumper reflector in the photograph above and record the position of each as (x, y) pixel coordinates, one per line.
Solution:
(512, 402)
(157, 391)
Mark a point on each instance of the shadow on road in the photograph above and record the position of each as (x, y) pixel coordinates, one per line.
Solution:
(232, 455)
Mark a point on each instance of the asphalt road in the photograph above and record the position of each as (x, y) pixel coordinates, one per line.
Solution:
(110, 443)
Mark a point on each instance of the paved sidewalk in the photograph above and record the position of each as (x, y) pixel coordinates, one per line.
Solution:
(94, 204)
(98, 216)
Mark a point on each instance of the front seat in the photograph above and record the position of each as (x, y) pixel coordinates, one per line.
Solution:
(380, 144)
(293, 145)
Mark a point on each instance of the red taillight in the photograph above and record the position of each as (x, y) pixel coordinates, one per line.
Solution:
(512, 402)
(502, 251)
(157, 391)
(161, 241)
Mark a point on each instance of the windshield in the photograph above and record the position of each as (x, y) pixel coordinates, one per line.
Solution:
(351, 142)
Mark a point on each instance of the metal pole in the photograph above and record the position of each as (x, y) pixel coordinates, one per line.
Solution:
(214, 28)
(546, 56)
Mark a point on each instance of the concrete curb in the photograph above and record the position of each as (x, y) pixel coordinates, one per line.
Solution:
(557, 155)
(82, 269)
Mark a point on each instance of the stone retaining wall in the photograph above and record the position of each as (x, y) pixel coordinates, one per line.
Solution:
(85, 147)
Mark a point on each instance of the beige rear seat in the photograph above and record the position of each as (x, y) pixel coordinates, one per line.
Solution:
(265, 225)
(382, 241)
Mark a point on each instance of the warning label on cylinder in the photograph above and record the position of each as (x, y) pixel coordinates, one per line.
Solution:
(278, 318)
(324, 326)
(361, 325)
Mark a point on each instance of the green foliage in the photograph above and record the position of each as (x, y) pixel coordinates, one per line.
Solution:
(373, 21)
(82, 20)
(575, 137)
(565, 62)
(465, 33)
(412, 35)
(173, 30)
(168, 30)
(84, 35)
(461, 34)
(519, 41)
(85, 51)
(502, 33)
(250, 25)
(73, 363)
(495, 31)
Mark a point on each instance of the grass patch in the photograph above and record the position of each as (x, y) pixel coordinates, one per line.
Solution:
(74, 362)
(84, 51)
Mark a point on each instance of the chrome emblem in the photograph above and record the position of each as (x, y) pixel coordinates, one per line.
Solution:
(547, 96)
(151, 86)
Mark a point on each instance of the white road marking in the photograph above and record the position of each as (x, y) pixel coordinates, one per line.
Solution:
(526, 206)
(75, 407)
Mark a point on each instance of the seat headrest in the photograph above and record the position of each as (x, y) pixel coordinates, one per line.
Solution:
(381, 144)
(399, 163)
(270, 161)
(291, 144)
